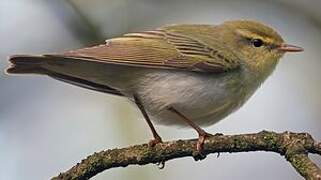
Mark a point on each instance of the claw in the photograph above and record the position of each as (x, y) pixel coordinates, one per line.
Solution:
(161, 165)
(152, 143)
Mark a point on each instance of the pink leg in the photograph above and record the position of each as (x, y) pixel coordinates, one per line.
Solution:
(157, 139)
(201, 133)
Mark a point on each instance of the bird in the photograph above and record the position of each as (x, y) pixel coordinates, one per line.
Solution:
(185, 75)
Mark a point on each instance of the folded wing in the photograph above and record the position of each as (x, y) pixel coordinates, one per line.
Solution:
(157, 49)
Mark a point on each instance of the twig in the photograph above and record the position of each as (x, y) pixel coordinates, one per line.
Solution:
(294, 146)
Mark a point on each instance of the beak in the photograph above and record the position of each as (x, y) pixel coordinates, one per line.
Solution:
(289, 48)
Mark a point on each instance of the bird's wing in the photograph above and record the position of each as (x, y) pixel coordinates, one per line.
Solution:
(157, 49)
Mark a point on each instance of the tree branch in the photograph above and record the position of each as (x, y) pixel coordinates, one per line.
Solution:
(294, 146)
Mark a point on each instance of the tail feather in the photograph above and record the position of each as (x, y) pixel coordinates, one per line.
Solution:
(37, 65)
(26, 65)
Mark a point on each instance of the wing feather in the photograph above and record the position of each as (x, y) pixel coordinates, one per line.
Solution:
(157, 49)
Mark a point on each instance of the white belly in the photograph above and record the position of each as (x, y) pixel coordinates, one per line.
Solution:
(204, 98)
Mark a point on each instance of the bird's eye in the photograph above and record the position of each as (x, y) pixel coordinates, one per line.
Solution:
(257, 42)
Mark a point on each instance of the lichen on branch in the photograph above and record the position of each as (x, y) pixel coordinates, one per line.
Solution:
(294, 146)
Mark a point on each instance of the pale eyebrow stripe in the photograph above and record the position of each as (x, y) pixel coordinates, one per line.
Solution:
(251, 35)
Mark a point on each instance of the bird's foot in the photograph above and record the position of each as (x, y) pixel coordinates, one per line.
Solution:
(155, 141)
(199, 153)
(200, 142)
(152, 143)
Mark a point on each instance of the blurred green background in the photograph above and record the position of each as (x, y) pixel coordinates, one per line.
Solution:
(47, 126)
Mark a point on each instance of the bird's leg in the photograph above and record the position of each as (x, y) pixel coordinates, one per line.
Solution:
(157, 139)
(201, 133)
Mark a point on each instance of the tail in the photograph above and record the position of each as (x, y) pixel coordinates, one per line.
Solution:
(27, 65)
(36, 65)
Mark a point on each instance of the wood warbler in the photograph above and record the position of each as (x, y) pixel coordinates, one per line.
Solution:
(185, 75)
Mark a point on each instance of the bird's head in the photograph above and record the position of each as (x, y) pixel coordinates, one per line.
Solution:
(257, 44)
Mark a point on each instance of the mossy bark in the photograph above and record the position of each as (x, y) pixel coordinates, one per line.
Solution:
(294, 146)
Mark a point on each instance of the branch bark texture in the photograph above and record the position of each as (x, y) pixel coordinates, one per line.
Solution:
(295, 147)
